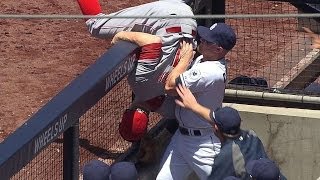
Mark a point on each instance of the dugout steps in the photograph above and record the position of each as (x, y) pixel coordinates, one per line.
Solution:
(303, 73)
(293, 67)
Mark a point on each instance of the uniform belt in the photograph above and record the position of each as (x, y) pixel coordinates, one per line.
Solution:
(195, 132)
(189, 132)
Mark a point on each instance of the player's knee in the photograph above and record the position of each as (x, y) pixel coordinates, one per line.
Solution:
(134, 124)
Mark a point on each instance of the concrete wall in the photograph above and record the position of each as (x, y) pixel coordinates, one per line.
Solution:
(290, 136)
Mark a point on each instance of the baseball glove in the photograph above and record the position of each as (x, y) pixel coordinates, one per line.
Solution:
(315, 38)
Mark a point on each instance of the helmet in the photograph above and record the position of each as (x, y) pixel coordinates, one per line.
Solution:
(134, 124)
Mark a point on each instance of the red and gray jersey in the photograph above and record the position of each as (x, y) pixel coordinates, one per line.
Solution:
(156, 60)
(207, 81)
(147, 80)
(108, 27)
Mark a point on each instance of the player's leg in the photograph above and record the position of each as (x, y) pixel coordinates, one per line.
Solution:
(108, 27)
(199, 152)
(173, 165)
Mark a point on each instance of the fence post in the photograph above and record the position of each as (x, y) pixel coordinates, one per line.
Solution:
(71, 153)
(216, 7)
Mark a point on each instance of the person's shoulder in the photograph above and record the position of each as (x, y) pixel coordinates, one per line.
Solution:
(226, 146)
(252, 133)
(197, 59)
(248, 135)
(212, 67)
(225, 152)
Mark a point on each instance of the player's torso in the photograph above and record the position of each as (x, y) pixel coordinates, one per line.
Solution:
(210, 94)
(148, 80)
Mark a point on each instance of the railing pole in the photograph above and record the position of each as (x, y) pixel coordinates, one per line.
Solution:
(71, 153)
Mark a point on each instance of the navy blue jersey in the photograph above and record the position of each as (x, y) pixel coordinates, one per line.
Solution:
(235, 153)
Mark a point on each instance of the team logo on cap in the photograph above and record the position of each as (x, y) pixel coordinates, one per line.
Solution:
(213, 26)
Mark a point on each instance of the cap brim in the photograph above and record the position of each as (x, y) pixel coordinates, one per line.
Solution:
(204, 32)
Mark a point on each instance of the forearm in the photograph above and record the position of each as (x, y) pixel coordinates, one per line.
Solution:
(186, 56)
(138, 38)
(175, 73)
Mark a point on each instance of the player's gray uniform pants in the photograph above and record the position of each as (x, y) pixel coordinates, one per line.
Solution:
(108, 27)
(185, 154)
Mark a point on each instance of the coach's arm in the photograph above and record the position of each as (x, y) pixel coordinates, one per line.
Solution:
(186, 56)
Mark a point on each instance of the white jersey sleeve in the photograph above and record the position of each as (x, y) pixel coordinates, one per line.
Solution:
(203, 75)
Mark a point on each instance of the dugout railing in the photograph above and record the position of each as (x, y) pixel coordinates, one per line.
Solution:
(53, 135)
(61, 115)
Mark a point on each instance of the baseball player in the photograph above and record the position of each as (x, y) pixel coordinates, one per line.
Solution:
(238, 146)
(159, 54)
(147, 82)
(194, 145)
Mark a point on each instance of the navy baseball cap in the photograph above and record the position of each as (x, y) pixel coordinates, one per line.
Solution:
(123, 170)
(263, 169)
(96, 170)
(220, 34)
(228, 120)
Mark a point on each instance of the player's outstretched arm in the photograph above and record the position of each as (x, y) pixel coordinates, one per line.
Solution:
(138, 38)
(187, 100)
(315, 38)
(186, 56)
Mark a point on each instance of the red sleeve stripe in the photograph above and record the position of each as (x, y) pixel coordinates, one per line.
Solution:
(176, 58)
(150, 51)
(178, 30)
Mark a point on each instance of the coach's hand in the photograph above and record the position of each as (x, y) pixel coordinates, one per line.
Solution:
(187, 99)
(315, 38)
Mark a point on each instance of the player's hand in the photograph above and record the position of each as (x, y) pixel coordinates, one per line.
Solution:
(186, 51)
(315, 38)
(187, 99)
(116, 38)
